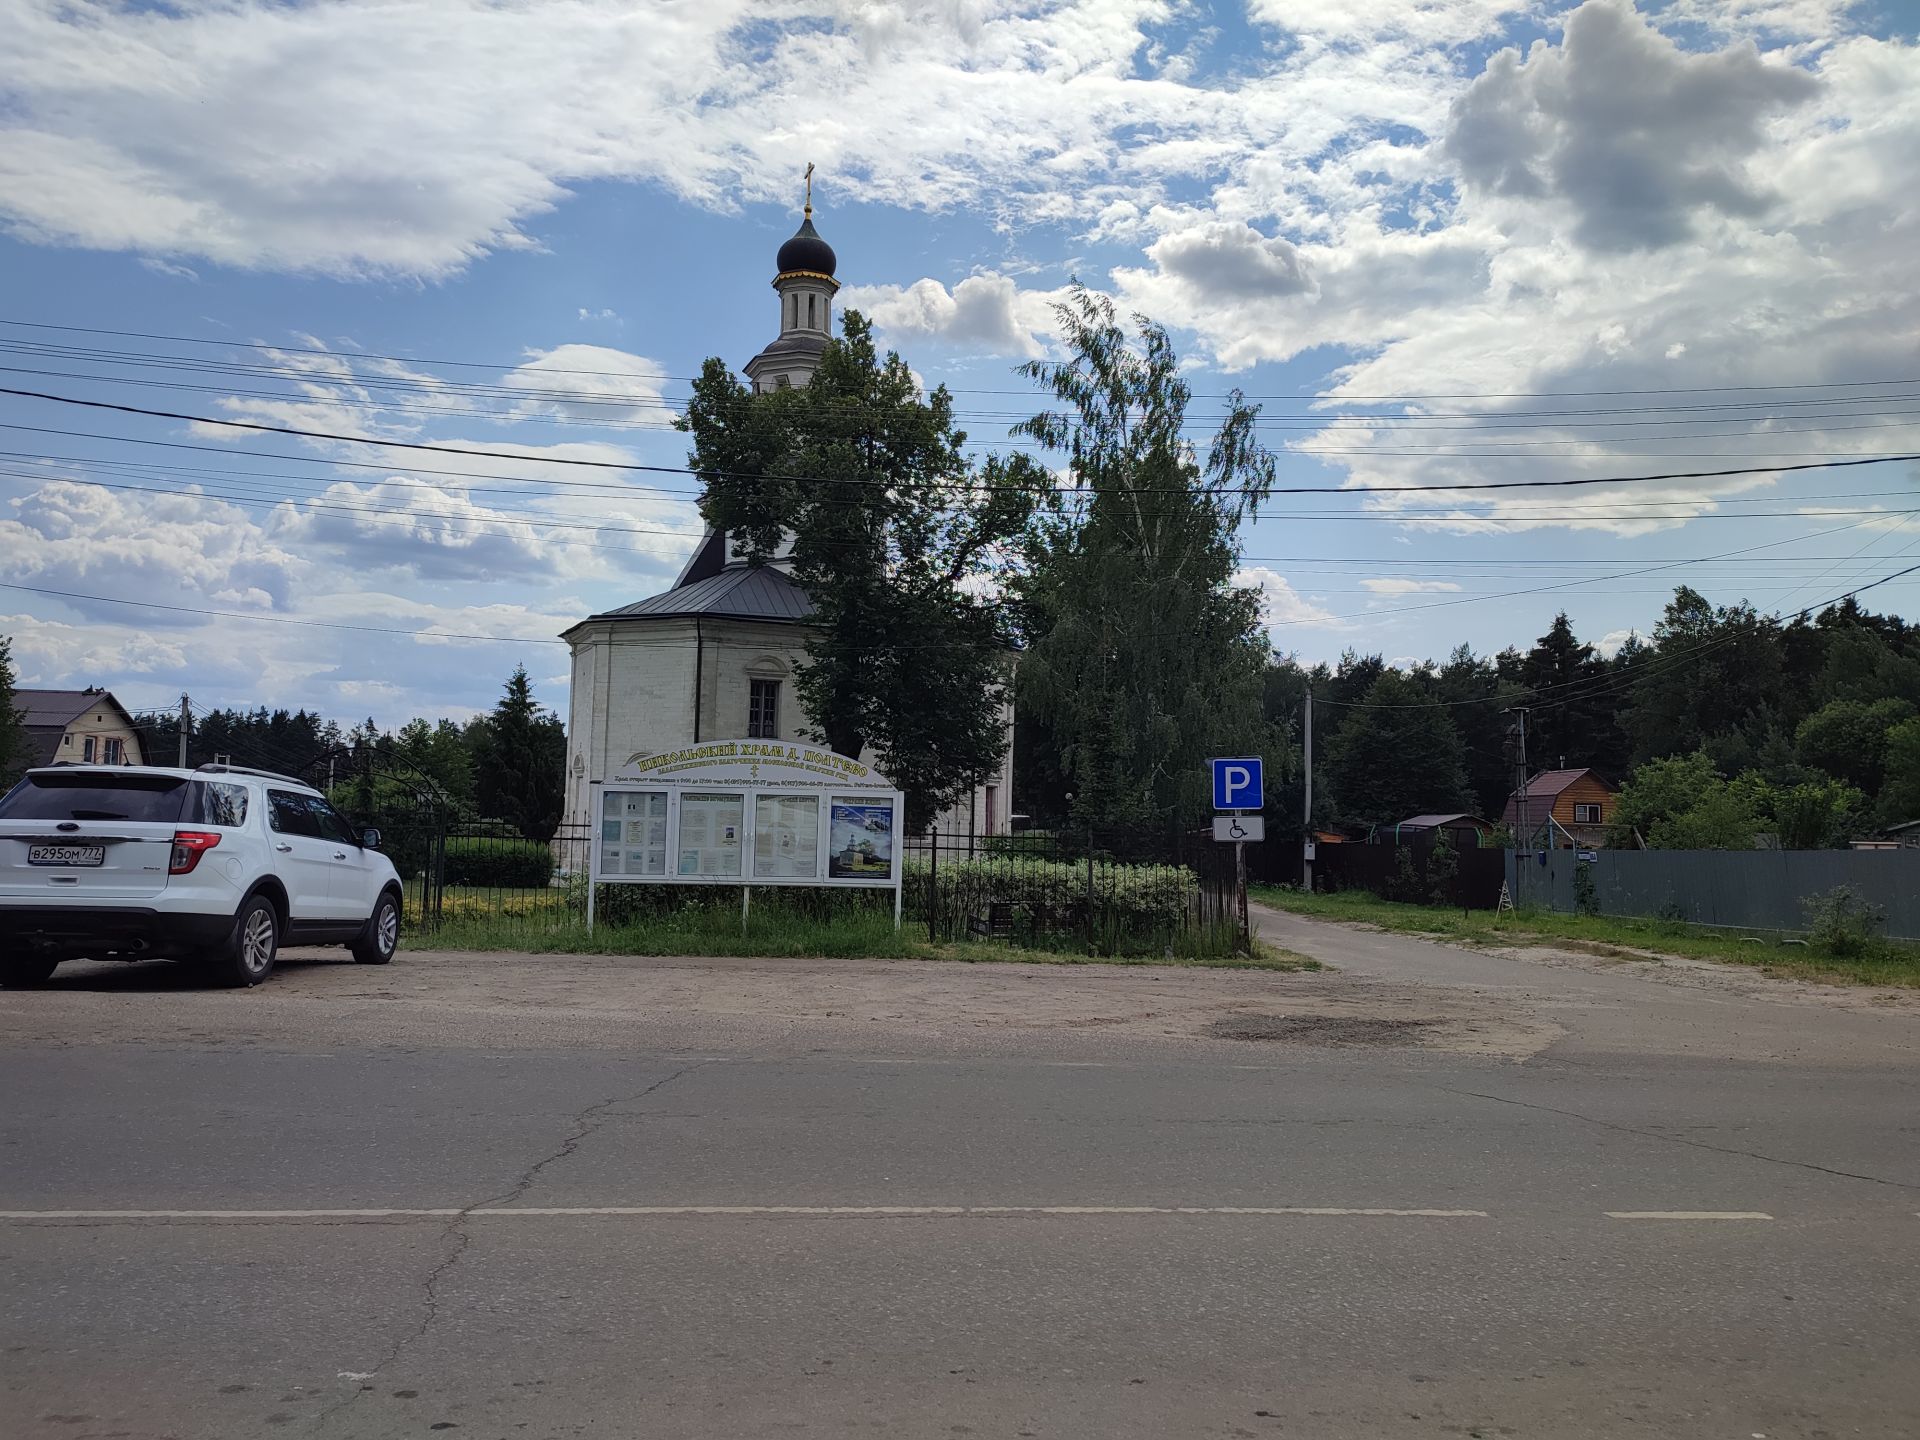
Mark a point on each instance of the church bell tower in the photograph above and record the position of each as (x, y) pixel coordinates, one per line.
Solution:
(803, 280)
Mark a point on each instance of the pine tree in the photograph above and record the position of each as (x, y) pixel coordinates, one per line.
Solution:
(520, 755)
(1396, 754)
(13, 732)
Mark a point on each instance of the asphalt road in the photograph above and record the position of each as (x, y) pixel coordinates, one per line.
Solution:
(1677, 1207)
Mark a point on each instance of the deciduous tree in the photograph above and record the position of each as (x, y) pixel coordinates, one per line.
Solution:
(1144, 657)
(896, 538)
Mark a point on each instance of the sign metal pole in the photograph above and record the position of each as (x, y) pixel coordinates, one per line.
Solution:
(1240, 883)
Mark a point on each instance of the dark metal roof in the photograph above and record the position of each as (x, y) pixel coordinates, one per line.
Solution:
(55, 707)
(739, 592)
(46, 714)
(806, 251)
(806, 346)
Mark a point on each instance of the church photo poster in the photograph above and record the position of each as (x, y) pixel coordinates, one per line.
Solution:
(860, 844)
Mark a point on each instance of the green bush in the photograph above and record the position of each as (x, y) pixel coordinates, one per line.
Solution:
(1128, 909)
(1841, 923)
(1404, 884)
(1443, 871)
(1586, 897)
(489, 863)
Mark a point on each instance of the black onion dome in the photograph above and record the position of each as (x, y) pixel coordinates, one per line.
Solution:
(806, 251)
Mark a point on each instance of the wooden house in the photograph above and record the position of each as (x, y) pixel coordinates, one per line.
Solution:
(1561, 810)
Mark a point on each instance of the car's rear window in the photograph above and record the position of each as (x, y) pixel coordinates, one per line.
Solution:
(51, 795)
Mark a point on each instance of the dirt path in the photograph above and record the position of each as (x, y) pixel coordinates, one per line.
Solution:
(1642, 1006)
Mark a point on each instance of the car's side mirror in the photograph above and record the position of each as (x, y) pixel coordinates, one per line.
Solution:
(370, 839)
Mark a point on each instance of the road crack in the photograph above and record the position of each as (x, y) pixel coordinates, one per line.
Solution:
(458, 1239)
(1683, 1140)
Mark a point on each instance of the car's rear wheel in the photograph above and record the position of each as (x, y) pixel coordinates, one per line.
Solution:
(376, 943)
(248, 955)
(23, 972)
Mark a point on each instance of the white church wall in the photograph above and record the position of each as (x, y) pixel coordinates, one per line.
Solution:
(633, 691)
(631, 683)
(739, 652)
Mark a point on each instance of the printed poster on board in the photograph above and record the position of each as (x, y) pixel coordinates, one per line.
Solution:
(786, 837)
(710, 833)
(860, 842)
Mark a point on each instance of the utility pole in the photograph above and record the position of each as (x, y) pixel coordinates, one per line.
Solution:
(1306, 807)
(1517, 754)
(186, 724)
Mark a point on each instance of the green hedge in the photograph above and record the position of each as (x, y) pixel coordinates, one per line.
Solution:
(1130, 908)
(503, 864)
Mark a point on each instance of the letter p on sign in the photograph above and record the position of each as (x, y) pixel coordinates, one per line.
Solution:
(1238, 784)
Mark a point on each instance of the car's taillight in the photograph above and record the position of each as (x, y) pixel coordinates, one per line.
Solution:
(188, 847)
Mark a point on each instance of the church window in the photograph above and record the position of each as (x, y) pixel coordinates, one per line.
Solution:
(810, 321)
(763, 709)
(781, 382)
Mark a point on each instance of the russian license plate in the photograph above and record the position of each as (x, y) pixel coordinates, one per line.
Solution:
(66, 855)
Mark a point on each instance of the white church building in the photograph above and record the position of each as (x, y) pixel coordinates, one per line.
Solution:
(714, 657)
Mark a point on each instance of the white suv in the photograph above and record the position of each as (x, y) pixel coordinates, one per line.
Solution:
(218, 866)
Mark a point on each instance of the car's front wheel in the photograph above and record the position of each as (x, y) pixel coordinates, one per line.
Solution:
(23, 972)
(382, 936)
(248, 955)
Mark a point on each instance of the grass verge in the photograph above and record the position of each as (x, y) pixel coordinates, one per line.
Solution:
(1621, 937)
(849, 934)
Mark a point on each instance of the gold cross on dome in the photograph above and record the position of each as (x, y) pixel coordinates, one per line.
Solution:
(809, 189)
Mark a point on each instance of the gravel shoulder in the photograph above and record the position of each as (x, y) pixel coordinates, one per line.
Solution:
(514, 1001)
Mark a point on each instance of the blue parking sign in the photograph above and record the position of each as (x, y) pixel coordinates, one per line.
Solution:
(1237, 784)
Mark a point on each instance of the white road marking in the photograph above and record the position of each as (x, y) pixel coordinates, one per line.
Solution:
(972, 1210)
(224, 1214)
(1688, 1215)
(644, 1211)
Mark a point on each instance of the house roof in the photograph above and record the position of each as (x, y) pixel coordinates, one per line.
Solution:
(739, 592)
(1435, 822)
(58, 708)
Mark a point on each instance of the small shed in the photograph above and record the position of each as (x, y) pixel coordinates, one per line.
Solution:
(1463, 831)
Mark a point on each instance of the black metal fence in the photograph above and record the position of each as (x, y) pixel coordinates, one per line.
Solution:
(1111, 892)
(1104, 893)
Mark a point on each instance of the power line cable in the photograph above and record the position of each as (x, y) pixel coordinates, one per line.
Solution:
(1330, 397)
(1069, 490)
(1770, 411)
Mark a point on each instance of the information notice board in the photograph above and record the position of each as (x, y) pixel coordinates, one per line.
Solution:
(748, 813)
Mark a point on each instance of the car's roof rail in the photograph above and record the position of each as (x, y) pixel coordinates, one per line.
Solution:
(221, 768)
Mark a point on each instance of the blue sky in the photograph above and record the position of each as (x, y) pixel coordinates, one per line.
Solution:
(1516, 206)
